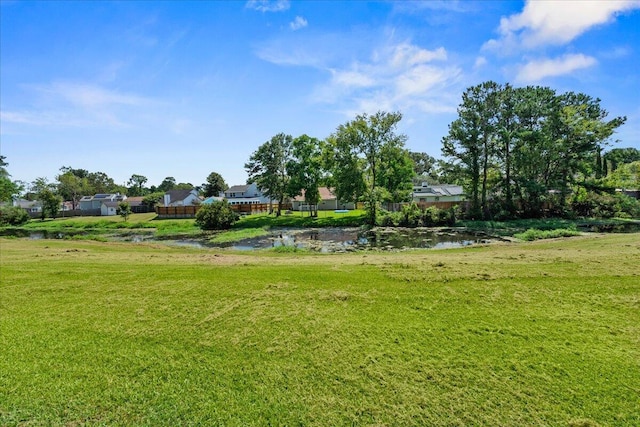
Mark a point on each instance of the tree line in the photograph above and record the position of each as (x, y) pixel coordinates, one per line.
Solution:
(518, 153)
(365, 160)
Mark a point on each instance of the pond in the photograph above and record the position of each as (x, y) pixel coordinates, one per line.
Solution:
(327, 240)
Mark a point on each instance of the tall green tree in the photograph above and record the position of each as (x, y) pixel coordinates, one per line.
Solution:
(305, 169)
(396, 174)
(100, 183)
(8, 189)
(167, 184)
(472, 140)
(136, 185)
(579, 130)
(359, 149)
(424, 167)
(71, 187)
(267, 167)
(516, 146)
(214, 186)
(45, 193)
(346, 169)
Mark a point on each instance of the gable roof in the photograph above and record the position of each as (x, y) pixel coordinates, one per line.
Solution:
(440, 190)
(238, 188)
(135, 201)
(325, 194)
(177, 195)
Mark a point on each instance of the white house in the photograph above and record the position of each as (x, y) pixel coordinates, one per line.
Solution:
(426, 193)
(31, 206)
(109, 208)
(181, 198)
(245, 195)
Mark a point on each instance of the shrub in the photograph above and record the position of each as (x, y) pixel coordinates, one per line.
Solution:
(124, 210)
(389, 219)
(430, 217)
(603, 205)
(13, 215)
(216, 216)
(411, 215)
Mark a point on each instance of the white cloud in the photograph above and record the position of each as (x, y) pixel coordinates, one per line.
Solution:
(351, 78)
(617, 52)
(407, 55)
(397, 77)
(437, 5)
(481, 61)
(90, 96)
(268, 6)
(298, 23)
(67, 104)
(535, 71)
(555, 22)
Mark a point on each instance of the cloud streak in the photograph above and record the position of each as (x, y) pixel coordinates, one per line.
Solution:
(67, 104)
(268, 6)
(534, 71)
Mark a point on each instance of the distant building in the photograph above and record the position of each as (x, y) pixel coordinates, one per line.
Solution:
(440, 193)
(89, 203)
(31, 206)
(328, 201)
(245, 195)
(181, 198)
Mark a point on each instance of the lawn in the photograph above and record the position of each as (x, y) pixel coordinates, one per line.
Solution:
(543, 333)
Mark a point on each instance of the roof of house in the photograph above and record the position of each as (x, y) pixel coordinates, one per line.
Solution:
(110, 204)
(135, 201)
(440, 190)
(176, 195)
(325, 194)
(103, 196)
(238, 188)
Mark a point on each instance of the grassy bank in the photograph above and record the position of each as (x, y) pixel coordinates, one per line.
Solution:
(541, 333)
(95, 228)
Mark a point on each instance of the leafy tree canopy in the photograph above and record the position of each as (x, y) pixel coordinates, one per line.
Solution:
(214, 186)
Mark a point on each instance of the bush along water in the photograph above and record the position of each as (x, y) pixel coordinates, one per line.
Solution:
(411, 215)
(216, 216)
(13, 215)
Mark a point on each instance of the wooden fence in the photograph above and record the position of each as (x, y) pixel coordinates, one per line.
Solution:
(177, 211)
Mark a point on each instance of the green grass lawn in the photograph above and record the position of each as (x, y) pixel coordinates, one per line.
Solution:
(544, 333)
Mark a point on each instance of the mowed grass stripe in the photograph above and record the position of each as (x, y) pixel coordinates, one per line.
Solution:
(542, 333)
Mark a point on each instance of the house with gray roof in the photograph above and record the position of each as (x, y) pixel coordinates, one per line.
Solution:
(427, 193)
(90, 203)
(248, 194)
(328, 201)
(181, 198)
(31, 206)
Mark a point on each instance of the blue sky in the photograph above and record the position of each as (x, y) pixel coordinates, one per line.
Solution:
(186, 88)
